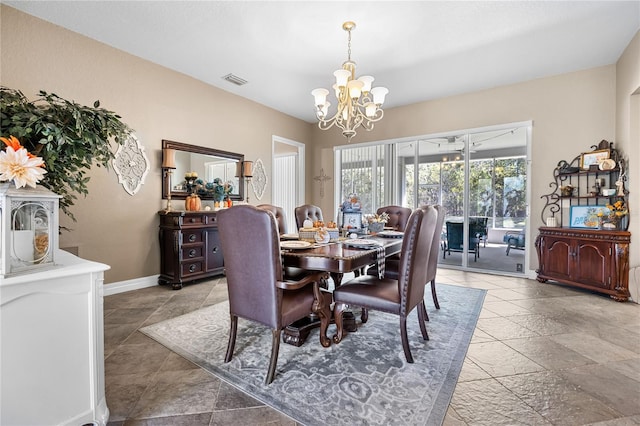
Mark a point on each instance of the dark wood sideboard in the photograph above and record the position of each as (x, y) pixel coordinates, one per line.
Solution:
(189, 247)
(594, 259)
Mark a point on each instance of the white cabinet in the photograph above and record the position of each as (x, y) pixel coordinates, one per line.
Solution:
(52, 345)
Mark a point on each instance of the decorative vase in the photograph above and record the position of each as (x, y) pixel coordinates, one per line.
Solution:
(621, 223)
(375, 227)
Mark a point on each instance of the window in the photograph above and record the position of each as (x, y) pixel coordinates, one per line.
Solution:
(386, 174)
(362, 172)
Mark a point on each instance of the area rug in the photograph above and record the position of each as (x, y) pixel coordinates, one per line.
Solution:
(363, 380)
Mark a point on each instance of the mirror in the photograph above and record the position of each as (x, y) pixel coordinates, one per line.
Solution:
(214, 170)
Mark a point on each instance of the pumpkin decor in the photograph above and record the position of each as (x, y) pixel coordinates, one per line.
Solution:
(193, 203)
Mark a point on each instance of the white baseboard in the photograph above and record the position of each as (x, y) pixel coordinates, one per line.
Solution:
(634, 284)
(129, 285)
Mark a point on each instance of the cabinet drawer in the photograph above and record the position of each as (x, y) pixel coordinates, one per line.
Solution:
(192, 252)
(193, 220)
(191, 268)
(189, 237)
(211, 219)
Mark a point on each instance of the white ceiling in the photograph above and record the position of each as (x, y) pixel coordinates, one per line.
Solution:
(420, 50)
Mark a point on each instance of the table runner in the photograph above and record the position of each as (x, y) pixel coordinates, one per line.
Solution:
(380, 259)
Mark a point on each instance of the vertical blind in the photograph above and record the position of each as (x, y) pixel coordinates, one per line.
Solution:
(362, 172)
(285, 186)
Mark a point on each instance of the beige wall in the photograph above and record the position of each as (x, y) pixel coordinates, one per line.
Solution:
(570, 113)
(114, 227)
(628, 138)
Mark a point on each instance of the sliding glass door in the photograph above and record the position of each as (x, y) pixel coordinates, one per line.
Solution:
(498, 199)
(479, 177)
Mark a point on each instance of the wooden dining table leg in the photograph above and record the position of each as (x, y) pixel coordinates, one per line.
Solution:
(322, 308)
(348, 318)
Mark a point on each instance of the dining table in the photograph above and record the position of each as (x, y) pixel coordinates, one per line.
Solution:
(337, 258)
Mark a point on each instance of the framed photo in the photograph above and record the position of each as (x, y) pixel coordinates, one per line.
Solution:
(585, 216)
(594, 158)
(353, 220)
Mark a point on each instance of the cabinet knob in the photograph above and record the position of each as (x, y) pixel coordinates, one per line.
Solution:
(192, 253)
(192, 237)
(215, 249)
(192, 220)
(192, 268)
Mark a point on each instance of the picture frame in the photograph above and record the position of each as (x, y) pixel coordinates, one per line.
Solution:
(352, 219)
(594, 158)
(586, 216)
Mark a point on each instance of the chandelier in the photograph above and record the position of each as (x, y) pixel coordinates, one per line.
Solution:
(358, 103)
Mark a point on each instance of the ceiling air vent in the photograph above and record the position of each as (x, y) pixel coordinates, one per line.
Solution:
(235, 79)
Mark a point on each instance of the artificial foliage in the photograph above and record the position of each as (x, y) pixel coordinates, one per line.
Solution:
(69, 137)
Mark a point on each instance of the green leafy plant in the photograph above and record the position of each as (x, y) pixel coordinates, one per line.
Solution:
(69, 137)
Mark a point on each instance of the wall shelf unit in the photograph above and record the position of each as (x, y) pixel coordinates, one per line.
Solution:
(576, 249)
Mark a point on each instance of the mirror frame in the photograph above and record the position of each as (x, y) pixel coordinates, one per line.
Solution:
(179, 146)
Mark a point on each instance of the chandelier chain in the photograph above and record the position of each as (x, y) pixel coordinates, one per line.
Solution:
(349, 47)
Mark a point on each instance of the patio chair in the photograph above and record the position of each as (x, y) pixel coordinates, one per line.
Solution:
(514, 240)
(454, 242)
(479, 224)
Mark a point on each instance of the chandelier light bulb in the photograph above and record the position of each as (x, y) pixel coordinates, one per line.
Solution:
(325, 109)
(336, 90)
(379, 94)
(366, 80)
(320, 95)
(355, 88)
(370, 109)
(359, 104)
(342, 77)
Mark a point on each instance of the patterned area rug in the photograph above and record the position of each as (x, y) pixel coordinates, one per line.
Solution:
(364, 380)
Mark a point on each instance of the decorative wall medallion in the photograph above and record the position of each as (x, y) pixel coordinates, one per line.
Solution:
(131, 164)
(259, 181)
(322, 179)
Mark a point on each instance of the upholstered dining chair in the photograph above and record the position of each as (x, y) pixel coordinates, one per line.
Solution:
(432, 267)
(291, 273)
(399, 296)
(398, 216)
(307, 211)
(280, 215)
(257, 291)
(391, 264)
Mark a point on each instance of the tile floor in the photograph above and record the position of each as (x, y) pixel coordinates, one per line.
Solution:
(542, 354)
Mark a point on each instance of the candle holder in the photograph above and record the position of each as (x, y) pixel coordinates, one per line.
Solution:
(168, 164)
(247, 172)
(29, 228)
(247, 181)
(168, 208)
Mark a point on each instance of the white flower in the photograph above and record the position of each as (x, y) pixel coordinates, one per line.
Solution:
(19, 167)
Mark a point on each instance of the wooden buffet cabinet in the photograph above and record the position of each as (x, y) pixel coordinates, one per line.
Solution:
(594, 259)
(581, 251)
(189, 247)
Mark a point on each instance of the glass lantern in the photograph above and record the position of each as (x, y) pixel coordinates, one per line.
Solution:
(28, 229)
